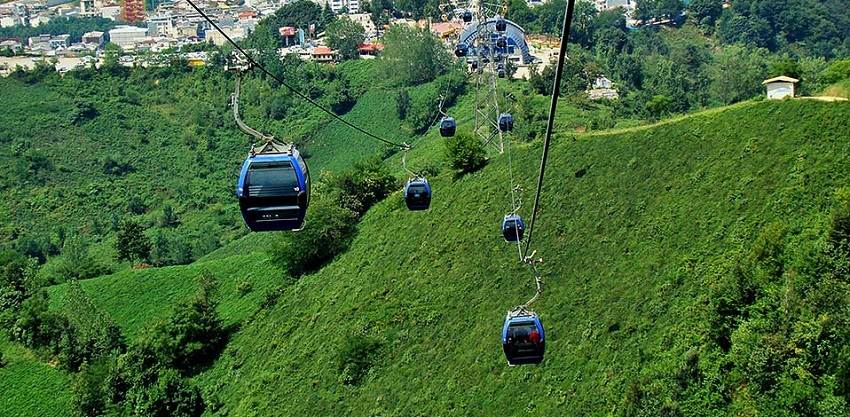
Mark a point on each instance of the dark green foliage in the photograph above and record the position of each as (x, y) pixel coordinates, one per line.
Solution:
(402, 103)
(329, 231)
(658, 9)
(356, 357)
(88, 389)
(2, 361)
(278, 107)
(413, 56)
(113, 167)
(131, 243)
(150, 379)
(465, 152)
(705, 13)
(345, 35)
(360, 188)
(837, 71)
(169, 217)
(820, 27)
(75, 262)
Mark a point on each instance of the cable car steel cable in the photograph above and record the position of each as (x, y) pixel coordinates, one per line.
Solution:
(556, 90)
(295, 91)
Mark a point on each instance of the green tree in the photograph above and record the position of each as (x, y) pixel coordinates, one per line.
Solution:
(413, 56)
(465, 152)
(736, 73)
(705, 13)
(131, 242)
(345, 35)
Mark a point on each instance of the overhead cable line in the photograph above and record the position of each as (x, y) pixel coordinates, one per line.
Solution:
(295, 91)
(556, 91)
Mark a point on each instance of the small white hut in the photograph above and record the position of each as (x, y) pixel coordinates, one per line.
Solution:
(781, 87)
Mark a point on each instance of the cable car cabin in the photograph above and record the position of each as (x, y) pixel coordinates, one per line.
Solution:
(501, 25)
(506, 122)
(461, 50)
(448, 126)
(513, 228)
(473, 65)
(274, 189)
(500, 71)
(501, 42)
(523, 340)
(466, 16)
(417, 194)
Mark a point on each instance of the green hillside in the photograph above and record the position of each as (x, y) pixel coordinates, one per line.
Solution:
(641, 232)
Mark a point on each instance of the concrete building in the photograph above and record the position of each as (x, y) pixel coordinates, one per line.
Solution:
(323, 54)
(235, 32)
(127, 36)
(602, 88)
(351, 6)
(93, 38)
(59, 41)
(781, 87)
(162, 24)
(110, 12)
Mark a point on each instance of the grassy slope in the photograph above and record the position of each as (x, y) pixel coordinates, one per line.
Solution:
(629, 247)
(29, 387)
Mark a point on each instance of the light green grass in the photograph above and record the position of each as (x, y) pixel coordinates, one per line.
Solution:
(29, 387)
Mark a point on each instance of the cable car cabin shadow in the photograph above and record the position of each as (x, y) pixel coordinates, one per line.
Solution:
(274, 190)
(513, 228)
(417, 194)
(523, 339)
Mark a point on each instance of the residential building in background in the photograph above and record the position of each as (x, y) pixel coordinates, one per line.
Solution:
(127, 36)
(133, 11)
(93, 38)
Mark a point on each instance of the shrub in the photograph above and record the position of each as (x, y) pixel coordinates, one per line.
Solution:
(356, 357)
(359, 189)
(244, 287)
(328, 232)
(2, 360)
(465, 152)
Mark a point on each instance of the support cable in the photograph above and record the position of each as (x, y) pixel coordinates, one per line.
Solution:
(556, 90)
(295, 91)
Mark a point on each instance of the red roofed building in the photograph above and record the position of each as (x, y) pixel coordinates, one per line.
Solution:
(323, 54)
(446, 29)
(133, 11)
(248, 14)
(370, 48)
(286, 31)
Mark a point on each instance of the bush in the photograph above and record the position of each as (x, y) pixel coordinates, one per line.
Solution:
(465, 152)
(361, 188)
(329, 231)
(356, 357)
(244, 287)
(2, 360)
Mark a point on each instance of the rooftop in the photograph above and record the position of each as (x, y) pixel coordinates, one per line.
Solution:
(781, 79)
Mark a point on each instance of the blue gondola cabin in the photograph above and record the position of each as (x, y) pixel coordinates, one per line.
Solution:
(274, 189)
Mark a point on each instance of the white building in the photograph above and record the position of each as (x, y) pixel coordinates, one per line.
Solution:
(59, 41)
(627, 5)
(365, 20)
(93, 38)
(781, 87)
(127, 36)
(235, 32)
(352, 6)
(110, 12)
(603, 88)
(161, 24)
